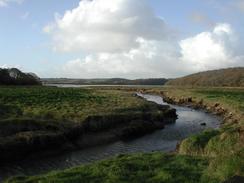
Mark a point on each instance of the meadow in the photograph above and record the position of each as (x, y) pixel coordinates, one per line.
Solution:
(72, 104)
(230, 98)
(137, 168)
(212, 156)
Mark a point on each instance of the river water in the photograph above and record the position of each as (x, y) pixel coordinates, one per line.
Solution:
(165, 140)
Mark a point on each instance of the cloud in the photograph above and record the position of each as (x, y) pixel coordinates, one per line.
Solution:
(7, 66)
(4, 3)
(207, 50)
(211, 50)
(106, 26)
(150, 59)
(124, 38)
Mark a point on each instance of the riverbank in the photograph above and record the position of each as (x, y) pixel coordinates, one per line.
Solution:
(39, 121)
(225, 146)
(221, 150)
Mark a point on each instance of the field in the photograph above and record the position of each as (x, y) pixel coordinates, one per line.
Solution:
(138, 168)
(72, 104)
(230, 98)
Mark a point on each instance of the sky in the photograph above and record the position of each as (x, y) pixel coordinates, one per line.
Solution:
(121, 38)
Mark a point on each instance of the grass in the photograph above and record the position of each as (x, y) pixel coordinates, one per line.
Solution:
(195, 145)
(138, 168)
(223, 167)
(73, 104)
(225, 146)
(230, 98)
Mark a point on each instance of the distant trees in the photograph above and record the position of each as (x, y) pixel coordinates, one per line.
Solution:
(231, 77)
(14, 76)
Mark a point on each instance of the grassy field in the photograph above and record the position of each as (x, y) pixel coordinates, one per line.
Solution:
(138, 168)
(230, 98)
(72, 104)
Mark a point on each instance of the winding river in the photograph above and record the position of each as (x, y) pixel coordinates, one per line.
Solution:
(188, 123)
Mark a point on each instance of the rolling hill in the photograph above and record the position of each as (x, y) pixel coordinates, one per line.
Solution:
(14, 76)
(230, 77)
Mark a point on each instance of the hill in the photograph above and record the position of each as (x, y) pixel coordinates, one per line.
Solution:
(112, 81)
(230, 77)
(14, 76)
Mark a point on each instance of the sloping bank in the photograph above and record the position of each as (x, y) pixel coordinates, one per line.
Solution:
(21, 138)
(224, 147)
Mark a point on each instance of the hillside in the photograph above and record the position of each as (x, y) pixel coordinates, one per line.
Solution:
(231, 77)
(112, 81)
(14, 76)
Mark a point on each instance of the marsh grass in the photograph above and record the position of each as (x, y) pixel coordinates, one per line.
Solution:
(137, 168)
(73, 104)
(225, 146)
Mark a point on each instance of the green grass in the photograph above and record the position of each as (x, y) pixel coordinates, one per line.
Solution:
(229, 98)
(195, 145)
(232, 97)
(225, 146)
(223, 167)
(138, 168)
(73, 104)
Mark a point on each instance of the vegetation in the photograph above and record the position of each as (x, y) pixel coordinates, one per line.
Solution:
(16, 77)
(232, 77)
(34, 119)
(225, 146)
(138, 168)
(212, 156)
(72, 104)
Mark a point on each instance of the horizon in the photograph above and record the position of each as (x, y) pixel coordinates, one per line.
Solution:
(129, 78)
(121, 39)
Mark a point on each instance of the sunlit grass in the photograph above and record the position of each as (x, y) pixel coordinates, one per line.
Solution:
(62, 103)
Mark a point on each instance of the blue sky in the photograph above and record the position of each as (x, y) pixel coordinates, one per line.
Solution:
(24, 44)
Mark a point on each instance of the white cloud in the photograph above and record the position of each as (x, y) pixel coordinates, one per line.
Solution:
(150, 59)
(106, 26)
(123, 38)
(207, 50)
(6, 66)
(210, 50)
(4, 3)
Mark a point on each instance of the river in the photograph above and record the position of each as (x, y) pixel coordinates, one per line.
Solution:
(165, 140)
